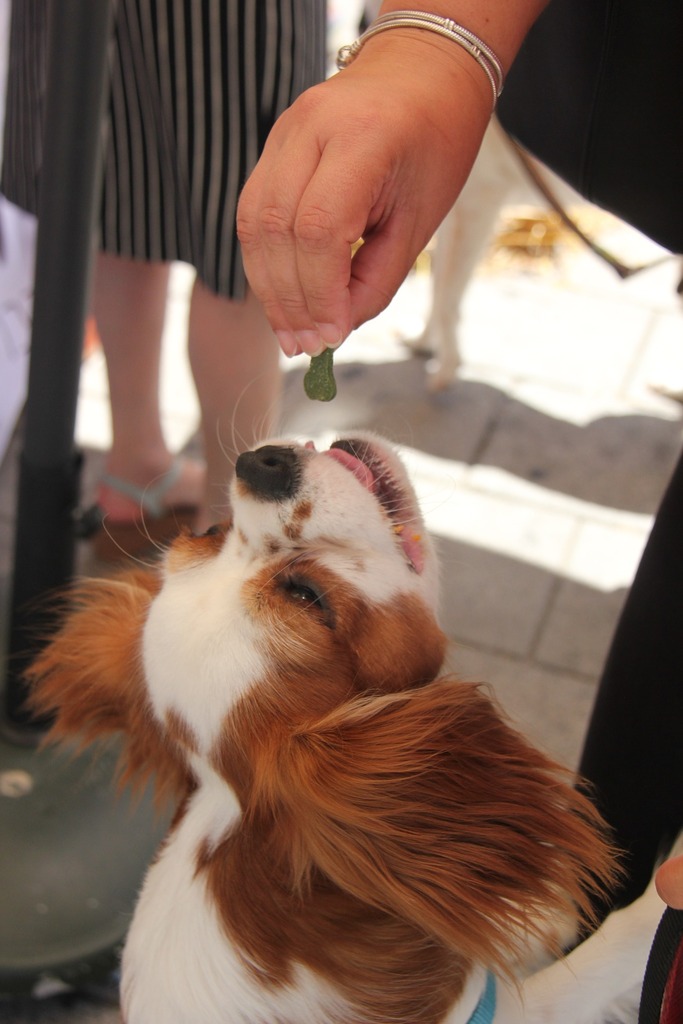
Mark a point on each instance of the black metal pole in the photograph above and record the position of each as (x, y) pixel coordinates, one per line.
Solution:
(77, 87)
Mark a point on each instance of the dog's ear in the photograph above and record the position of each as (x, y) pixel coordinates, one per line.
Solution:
(89, 679)
(429, 805)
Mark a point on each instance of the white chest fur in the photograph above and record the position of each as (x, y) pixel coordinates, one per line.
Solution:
(178, 964)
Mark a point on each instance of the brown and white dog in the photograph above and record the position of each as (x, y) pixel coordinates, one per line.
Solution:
(357, 839)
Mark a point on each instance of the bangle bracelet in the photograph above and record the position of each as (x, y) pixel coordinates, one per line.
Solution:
(476, 47)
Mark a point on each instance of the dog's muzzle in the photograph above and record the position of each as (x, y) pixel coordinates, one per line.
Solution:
(272, 473)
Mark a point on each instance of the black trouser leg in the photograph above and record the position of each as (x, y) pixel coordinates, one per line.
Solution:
(633, 756)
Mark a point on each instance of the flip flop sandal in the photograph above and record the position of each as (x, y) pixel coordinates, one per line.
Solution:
(116, 539)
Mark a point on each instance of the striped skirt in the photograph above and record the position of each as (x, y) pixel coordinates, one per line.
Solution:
(195, 87)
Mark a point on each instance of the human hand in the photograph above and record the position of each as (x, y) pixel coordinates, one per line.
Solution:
(379, 151)
(669, 882)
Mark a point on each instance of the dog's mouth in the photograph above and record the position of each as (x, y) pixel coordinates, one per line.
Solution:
(372, 468)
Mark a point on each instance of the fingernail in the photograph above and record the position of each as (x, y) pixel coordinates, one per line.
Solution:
(331, 334)
(288, 342)
(310, 342)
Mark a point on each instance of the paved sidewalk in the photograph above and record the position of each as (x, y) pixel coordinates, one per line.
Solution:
(539, 471)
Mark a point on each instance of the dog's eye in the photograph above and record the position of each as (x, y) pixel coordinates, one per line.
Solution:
(213, 531)
(303, 593)
(310, 597)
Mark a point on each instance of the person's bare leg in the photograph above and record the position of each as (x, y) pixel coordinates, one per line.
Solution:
(235, 362)
(129, 304)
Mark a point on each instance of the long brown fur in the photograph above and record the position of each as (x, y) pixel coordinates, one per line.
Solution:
(428, 806)
(89, 678)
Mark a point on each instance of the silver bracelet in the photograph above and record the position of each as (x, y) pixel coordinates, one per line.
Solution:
(476, 47)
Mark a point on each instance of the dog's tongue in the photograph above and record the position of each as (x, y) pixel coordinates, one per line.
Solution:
(354, 465)
(411, 542)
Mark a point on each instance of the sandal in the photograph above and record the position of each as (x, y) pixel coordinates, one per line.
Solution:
(156, 523)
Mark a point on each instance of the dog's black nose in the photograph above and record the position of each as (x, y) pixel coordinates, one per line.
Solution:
(271, 472)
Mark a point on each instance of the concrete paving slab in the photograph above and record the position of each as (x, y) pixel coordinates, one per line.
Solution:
(659, 371)
(507, 485)
(605, 555)
(551, 708)
(524, 532)
(541, 333)
(578, 628)
(619, 461)
(491, 601)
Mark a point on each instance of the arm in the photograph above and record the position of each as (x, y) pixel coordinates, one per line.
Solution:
(379, 151)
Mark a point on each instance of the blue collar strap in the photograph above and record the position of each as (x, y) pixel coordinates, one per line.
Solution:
(486, 1007)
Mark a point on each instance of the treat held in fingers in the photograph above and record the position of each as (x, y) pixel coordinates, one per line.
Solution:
(319, 382)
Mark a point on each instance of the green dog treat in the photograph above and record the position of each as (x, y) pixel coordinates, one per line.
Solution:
(319, 381)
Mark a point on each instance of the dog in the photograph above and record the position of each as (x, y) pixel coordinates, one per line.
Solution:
(358, 839)
(498, 177)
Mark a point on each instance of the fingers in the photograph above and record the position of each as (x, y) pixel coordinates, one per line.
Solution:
(296, 232)
(297, 242)
(320, 186)
(307, 310)
(669, 882)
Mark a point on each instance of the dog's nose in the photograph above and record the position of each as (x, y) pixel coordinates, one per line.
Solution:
(271, 472)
